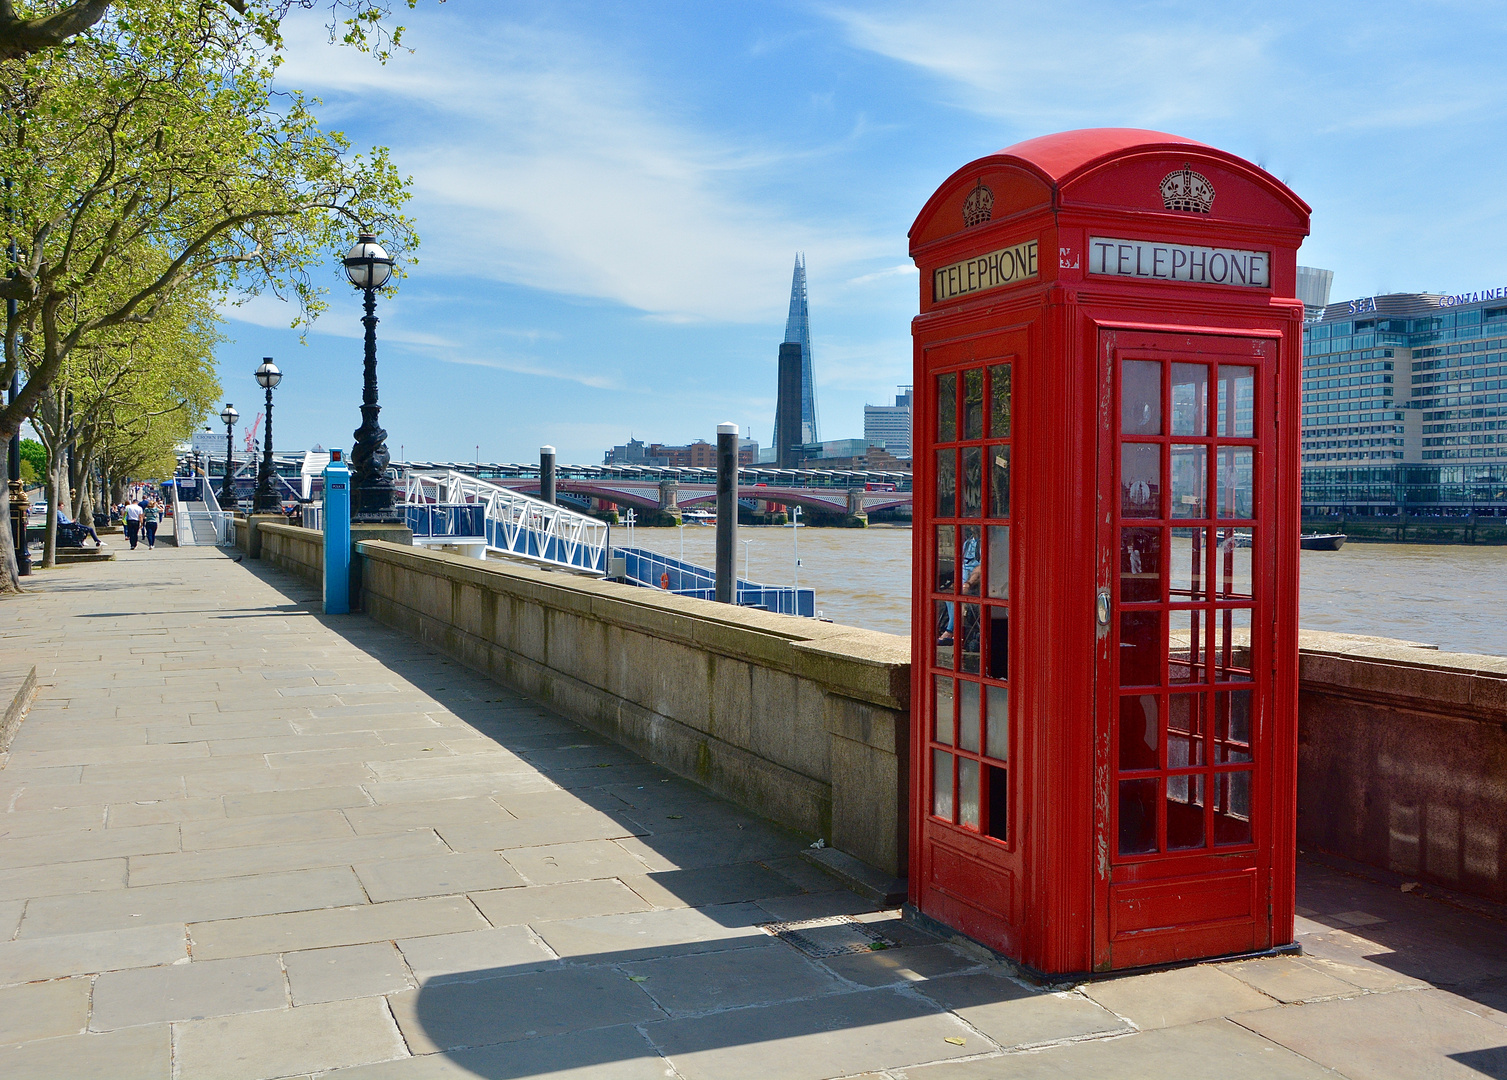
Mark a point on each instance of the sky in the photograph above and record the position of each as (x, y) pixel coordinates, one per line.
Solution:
(611, 196)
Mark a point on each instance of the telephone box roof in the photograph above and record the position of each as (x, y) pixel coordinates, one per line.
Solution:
(1061, 159)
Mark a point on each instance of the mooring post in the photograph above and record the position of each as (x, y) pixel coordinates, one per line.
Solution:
(727, 512)
(547, 474)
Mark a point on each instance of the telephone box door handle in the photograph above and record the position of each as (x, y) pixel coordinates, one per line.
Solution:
(1101, 609)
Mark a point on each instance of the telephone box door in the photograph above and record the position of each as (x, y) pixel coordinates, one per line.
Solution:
(1184, 616)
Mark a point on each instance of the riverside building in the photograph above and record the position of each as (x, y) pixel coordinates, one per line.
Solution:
(1405, 406)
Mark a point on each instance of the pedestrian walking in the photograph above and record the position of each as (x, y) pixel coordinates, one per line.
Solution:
(133, 523)
(149, 518)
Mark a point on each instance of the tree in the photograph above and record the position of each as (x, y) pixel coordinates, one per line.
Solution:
(33, 460)
(41, 25)
(145, 164)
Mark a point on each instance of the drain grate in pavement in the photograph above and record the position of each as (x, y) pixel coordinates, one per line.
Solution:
(834, 936)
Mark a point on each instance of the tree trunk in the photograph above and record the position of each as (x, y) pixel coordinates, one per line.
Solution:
(10, 575)
(54, 493)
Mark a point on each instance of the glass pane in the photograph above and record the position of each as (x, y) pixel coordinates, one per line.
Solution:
(968, 793)
(973, 404)
(1140, 565)
(997, 722)
(947, 483)
(946, 537)
(1188, 564)
(1185, 731)
(1232, 808)
(968, 716)
(999, 643)
(1190, 481)
(1141, 398)
(942, 711)
(999, 562)
(947, 408)
(1232, 645)
(1236, 480)
(1190, 399)
(1140, 480)
(1139, 725)
(999, 408)
(941, 784)
(1185, 812)
(973, 482)
(999, 794)
(1140, 648)
(969, 639)
(1232, 565)
(944, 617)
(1237, 401)
(1232, 734)
(999, 481)
(1137, 816)
(1186, 640)
(973, 565)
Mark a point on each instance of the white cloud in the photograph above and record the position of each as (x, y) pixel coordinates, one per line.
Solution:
(540, 159)
(533, 367)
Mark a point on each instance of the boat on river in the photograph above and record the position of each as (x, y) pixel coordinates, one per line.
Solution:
(1322, 541)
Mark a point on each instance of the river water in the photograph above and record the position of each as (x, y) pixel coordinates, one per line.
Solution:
(1454, 597)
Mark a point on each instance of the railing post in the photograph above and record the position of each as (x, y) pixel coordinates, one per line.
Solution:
(727, 512)
(547, 474)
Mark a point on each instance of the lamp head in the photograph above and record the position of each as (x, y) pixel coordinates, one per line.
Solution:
(367, 264)
(228, 415)
(268, 375)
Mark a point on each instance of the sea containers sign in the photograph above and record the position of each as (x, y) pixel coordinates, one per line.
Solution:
(1159, 261)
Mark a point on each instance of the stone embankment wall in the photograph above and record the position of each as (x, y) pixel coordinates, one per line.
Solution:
(1402, 759)
(1402, 750)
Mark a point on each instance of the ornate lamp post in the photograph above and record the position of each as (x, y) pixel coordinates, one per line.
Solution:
(372, 493)
(227, 489)
(266, 500)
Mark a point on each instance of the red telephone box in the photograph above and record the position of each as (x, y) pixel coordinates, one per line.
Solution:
(1107, 363)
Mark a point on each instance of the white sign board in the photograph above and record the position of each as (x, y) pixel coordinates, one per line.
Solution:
(1158, 261)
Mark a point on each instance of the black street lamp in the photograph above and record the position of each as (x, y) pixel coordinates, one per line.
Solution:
(227, 489)
(372, 493)
(266, 500)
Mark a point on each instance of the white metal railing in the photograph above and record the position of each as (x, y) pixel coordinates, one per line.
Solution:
(515, 525)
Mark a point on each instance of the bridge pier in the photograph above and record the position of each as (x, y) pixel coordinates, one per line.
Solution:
(858, 517)
(669, 499)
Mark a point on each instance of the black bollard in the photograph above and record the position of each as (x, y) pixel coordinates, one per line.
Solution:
(547, 474)
(727, 511)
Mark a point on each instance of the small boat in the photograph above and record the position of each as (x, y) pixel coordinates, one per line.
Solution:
(698, 517)
(1322, 541)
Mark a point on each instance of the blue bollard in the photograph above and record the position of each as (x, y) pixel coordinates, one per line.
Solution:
(337, 536)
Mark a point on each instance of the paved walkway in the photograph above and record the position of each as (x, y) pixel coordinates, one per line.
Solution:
(239, 840)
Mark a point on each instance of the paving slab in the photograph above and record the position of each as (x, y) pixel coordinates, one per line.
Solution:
(62, 878)
(1427, 1033)
(192, 991)
(436, 875)
(197, 901)
(585, 860)
(551, 903)
(163, 811)
(324, 928)
(476, 955)
(346, 971)
(837, 1035)
(43, 1010)
(298, 800)
(1016, 1015)
(650, 934)
(1181, 996)
(310, 1038)
(56, 956)
(444, 1015)
(615, 1053)
(710, 982)
(144, 1053)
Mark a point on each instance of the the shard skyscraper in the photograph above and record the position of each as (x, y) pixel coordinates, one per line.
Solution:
(798, 331)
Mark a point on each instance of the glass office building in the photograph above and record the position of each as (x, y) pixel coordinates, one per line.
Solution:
(1405, 406)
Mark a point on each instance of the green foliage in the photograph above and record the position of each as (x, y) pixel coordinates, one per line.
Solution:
(35, 455)
(153, 175)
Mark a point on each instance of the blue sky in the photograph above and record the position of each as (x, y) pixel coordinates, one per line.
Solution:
(610, 196)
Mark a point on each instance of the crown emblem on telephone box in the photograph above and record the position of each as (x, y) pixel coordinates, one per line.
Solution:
(1187, 190)
(978, 208)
